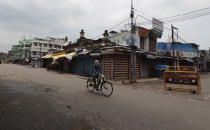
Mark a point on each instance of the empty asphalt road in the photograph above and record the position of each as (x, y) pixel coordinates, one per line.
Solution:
(34, 98)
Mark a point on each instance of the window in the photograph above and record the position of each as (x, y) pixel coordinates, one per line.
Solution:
(59, 47)
(50, 45)
(34, 53)
(45, 45)
(40, 44)
(35, 44)
(55, 46)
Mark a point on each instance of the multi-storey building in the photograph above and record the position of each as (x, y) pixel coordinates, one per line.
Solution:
(20, 53)
(204, 60)
(43, 46)
(3, 57)
(144, 39)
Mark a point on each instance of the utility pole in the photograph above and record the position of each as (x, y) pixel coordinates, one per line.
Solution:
(40, 55)
(132, 46)
(173, 42)
(177, 35)
(172, 31)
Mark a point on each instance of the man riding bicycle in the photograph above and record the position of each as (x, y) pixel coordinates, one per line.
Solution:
(96, 72)
(98, 82)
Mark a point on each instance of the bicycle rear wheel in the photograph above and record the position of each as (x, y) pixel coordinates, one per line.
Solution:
(90, 85)
(107, 89)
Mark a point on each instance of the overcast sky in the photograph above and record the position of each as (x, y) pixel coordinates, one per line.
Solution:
(60, 18)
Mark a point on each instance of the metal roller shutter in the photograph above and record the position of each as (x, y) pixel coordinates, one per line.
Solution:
(137, 66)
(121, 66)
(145, 69)
(107, 66)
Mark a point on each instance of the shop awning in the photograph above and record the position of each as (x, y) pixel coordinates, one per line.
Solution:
(70, 55)
(57, 56)
(47, 57)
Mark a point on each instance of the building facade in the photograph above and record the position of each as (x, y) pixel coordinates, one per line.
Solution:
(188, 50)
(204, 61)
(43, 46)
(20, 53)
(143, 38)
(113, 52)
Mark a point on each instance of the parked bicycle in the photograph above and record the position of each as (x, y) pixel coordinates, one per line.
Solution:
(100, 84)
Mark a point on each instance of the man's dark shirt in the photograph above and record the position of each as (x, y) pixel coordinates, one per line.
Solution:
(97, 69)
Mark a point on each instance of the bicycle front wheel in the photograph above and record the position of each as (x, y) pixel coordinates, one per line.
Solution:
(107, 89)
(90, 85)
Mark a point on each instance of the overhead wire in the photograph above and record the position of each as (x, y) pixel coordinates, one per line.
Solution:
(170, 19)
(183, 17)
(187, 17)
(160, 25)
(120, 23)
(186, 13)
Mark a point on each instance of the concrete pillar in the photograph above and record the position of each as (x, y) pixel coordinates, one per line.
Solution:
(146, 44)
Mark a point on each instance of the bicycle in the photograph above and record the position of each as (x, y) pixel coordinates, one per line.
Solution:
(103, 85)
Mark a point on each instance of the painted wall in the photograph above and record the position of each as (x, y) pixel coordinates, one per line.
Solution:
(124, 38)
(181, 49)
(142, 39)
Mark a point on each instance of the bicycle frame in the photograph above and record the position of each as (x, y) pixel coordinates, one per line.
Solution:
(99, 82)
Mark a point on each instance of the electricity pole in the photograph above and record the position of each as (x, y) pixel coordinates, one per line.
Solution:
(132, 46)
(173, 42)
(40, 55)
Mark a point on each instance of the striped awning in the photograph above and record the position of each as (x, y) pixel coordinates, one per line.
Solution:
(47, 57)
(57, 56)
(70, 55)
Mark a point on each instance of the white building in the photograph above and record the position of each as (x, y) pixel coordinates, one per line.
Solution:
(143, 38)
(123, 38)
(42, 46)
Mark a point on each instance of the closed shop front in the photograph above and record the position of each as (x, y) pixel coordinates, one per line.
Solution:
(138, 61)
(145, 68)
(121, 66)
(80, 65)
(117, 66)
(88, 66)
(66, 65)
(107, 66)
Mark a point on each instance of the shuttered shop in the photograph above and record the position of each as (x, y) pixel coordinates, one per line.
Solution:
(145, 68)
(137, 67)
(107, 66)
(121, 66)
(118, 66)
